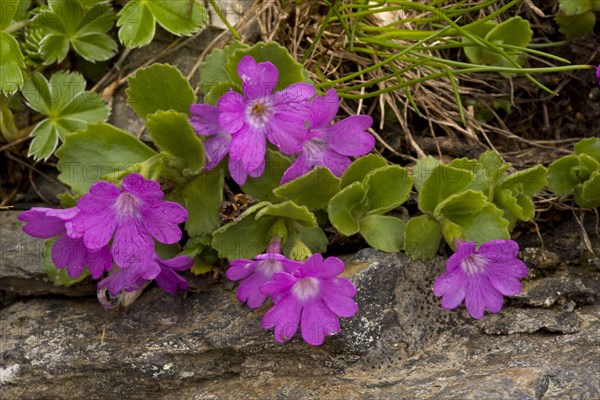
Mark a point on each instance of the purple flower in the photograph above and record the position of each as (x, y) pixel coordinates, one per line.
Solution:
(205, 120)
(598, 74)
(162, 271)
(254, 273)
(68, 251)
(481, 277)
(312, 297)
(330, 146)
(259, 114)
(134, 214)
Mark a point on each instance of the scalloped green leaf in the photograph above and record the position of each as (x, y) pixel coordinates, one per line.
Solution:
(11, 62)
(346, 207)
(422, 237)
(589, 146)
(588, 194)
(443, 182)
(574, 26)
(483, 226)
(531, 180)
(574, 7)
(68, 24)
(387, 188)
(98, 150)
(360, 167)
(9, 9)
(172, 132)
(159, 87)
(475, 52)
(212, 71)
(423, 169)
(67, 105)
(180, 17)
(383, 232)
(203, 196)
(262, 188)
(244, 238)
(290, 71)
(560, 179)
(290, 211)
(463, 203)
(313, 190)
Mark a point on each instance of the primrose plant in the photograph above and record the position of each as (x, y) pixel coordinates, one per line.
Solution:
(265, 144)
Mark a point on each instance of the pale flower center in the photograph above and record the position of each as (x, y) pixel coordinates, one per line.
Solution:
(259, 111)
(127, 205)
(306, 288)
(473, 264)
(269, 267)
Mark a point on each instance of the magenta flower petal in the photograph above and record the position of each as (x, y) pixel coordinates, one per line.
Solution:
(324, 109)
(162, 221)
(341, 286)
(232, 112)
(349, 136)
(258, 79)
(280, 284)
(499, 250)
(337, 163)
(318, 267)
(239, 269)
(341, 305)
(179, 263)
(45, 223)
(205, 119)
(132, 244)
(125, 280)
(168, 279)
(294, 97)
(318, 321)
(99, 261)
(481, 277)
(237, 171)
(142, 188)
(216, 149)
(69, 253)
(248, 147)
(297, 169)
(284, 317)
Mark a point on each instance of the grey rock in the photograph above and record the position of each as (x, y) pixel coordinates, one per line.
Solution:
(21, 263)
(207, 346)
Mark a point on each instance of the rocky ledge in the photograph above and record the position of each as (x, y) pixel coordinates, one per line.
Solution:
(545, 344)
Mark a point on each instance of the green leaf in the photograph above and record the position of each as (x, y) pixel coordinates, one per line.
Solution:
(589, 146)
(387, 188)
(532, 180)
(313, 190)
(244, 238)
(9, 9)
(423, 169)
(180, 17)
(492, 165)
(98, 150)
(289, 210)
(262, 188)
(588, 194)
(347, 208)
(217, 91)
(314, 238)
(212, 70)
(290, 71)
(67, 23)
(59, 277)
(203, 197)
(443, 182)
(515, 206)
(67, 105)
(383, 232)
(159, 87)
(475, 52)
(463, 203)
(515, 31)
(422, 237)
(576, 25)
(574, 7)
(360, 167)
(483, 226)
(560, 179)
(11, 62)
(172, 132)
(452, 232)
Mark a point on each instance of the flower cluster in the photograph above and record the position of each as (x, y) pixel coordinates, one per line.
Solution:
(294, 120)
(112, 225)
(308, 294)
(481, 276)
